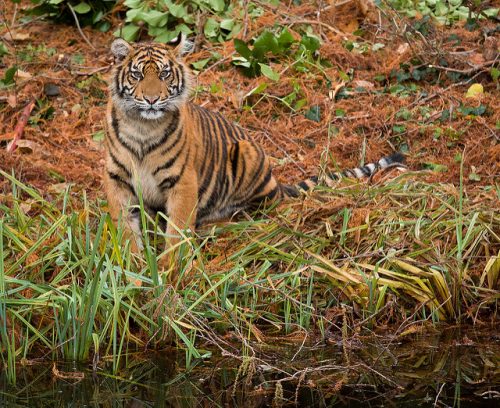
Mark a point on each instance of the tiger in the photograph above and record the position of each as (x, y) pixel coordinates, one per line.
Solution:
(178, 158)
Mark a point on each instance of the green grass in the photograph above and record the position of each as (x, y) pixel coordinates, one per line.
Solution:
(390, 253)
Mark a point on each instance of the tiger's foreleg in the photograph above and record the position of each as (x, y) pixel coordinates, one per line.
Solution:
(181, 209)
(120, 200)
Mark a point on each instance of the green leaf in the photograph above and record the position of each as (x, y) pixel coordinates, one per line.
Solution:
(268, 72)
(217, 5)
(82, 8)
(435, 167)
(227, 24)
(242, 48)
(398, 129)
(474, 177)
(339, 113)
(211, 28)
(3, 50)
(128, 32)
(257, 90)
(99, 136)
(300, 104)
(314, 113)
(470, 110)
(9, 76)
(311, 44)
(199, 65)
(177, 10)
(495, 73)
(285, 39)
(266, 42)
(155, 18)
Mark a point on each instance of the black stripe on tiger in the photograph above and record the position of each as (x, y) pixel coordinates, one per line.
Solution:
(123, 142)
(121, 181)
(170, 181)
(172, 127)
(120, 165)
(170, 162)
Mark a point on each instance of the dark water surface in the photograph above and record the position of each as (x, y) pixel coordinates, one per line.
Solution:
(454, 367)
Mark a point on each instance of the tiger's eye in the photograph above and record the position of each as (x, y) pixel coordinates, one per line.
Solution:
(164, 74)
(136, 75)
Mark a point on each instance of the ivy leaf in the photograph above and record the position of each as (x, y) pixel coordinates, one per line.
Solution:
(440, 168)
(128, 32)
(314, 113)
(199, 65)
(217, 5)
(242, 49)
(99, 136)
(311, 44)
(227, 24)
(495, 73)
(155, 18)
(474, 177)
(264, 43)
(3, 50)
(211, 28)
(285, 39)
(268, 72)
(82, 8)
(257, 90)
(9, 75)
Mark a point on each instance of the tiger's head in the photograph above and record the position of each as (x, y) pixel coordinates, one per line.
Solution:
(149, 79)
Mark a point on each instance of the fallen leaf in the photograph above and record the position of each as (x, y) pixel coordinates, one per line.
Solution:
(402, 48)
(57, 188)
(23, 74)
(363, 84)
(12, 100)
(27, 146)
(16, 36)
(490, 48)
(474, 91)
(476, 59)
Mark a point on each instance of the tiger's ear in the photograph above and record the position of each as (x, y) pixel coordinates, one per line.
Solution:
(120, 49)
(181, 45)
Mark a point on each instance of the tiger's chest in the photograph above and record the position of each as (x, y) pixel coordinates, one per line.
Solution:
(147, 185)
(145, 181)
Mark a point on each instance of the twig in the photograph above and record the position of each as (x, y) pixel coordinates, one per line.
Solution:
(79, 28)
(221, 61)
(465, 71)
(18, 131)
(322, 24)
(438, 394)
(93, 71)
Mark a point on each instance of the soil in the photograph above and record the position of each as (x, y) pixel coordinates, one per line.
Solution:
(62, 142)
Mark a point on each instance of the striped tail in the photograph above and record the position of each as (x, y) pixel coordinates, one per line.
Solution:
(367, 170)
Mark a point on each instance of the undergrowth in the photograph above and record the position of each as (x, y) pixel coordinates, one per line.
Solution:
(386, 254)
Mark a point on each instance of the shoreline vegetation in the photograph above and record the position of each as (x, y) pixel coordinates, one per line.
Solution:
(392, 255)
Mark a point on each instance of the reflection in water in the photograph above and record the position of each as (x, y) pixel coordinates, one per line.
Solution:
(455, 368)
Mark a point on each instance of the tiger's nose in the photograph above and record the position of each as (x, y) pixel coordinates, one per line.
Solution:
(151, 99)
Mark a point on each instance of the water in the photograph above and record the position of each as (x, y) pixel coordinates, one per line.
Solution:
(454, 367)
